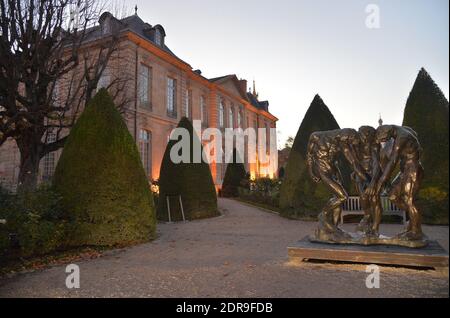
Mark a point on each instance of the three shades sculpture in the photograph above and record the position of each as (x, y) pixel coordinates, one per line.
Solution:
(373, 155)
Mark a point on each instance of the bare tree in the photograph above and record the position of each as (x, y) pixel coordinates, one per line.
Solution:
(41, 45)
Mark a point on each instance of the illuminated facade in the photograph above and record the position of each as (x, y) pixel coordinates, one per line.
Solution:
(164, 89)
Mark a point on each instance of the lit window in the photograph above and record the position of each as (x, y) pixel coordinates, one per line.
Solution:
(171, 97)
(221, 114)
(145, 150)
(56, 94)
(145, 86)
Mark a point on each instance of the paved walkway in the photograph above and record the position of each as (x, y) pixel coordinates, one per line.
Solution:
(241, 254)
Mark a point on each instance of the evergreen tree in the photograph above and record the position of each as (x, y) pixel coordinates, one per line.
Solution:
(193, 181)
(234, 175)
(299, 195)
(427, 113)
(104, 189)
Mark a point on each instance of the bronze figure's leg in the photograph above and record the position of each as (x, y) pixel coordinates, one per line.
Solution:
(366, 223)
(403, 195)
(327, 220)
(377, 211)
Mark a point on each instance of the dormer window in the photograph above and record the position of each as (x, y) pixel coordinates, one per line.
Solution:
(106, 27)
(158, 37)
(106, 22)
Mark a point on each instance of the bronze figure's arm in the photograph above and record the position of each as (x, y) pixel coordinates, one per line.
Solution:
(388, 170)
(376, 169)
(351, 158)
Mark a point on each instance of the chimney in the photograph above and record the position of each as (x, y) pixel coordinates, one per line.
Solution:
(243, 85)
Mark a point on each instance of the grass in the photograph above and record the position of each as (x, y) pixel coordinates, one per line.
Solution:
(270, 208)
(354, 219)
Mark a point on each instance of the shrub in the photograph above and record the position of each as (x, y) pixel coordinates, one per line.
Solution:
(426, 112)
(264, 192)
(193, 181)
(35, 221)
(234, 175)
(103, 184)
(299, 195)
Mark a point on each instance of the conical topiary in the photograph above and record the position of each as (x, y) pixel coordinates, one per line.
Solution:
(234, 175)
(102, 181)
(192, 181)
(299, 195)
(427, 113)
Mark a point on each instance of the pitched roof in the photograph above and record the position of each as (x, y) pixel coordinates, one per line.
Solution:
(264, 105)
(131, 23)
(221, 78)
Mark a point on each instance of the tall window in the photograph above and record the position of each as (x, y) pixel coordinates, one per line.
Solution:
(171, 97)
(221, 114)
(145, 150)
(188, 103)
(104, 81)
(145, 79)
(203, 111)
(49, 160)
(231, 117)
(239, 119)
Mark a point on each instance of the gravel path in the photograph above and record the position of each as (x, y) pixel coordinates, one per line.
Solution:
(240, 254)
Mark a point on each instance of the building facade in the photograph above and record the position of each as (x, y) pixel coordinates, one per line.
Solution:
(162, 89)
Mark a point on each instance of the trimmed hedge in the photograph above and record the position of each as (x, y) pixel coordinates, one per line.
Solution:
(426, 112)
(234, 175)
(103, 184)
(300, 196)
(193, 181)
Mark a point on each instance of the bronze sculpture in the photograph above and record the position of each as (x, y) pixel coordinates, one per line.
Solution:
(322, 154)
(373, 156)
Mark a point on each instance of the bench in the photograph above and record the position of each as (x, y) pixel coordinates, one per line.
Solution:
(353, 207)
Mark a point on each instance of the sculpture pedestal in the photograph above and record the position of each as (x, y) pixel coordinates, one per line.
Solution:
(431, 256)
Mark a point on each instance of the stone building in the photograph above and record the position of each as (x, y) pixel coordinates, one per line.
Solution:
(162, 89)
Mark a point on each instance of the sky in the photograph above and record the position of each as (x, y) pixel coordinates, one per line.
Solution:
(295, 49)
